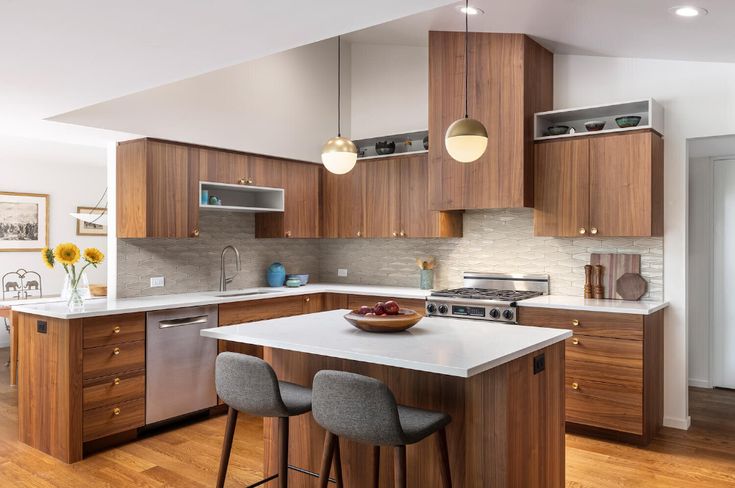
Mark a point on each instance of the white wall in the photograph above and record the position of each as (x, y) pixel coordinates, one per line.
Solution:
(700, 270)
(390, 89)
(72, 176)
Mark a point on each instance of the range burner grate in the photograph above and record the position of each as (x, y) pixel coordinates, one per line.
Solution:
(487, 294)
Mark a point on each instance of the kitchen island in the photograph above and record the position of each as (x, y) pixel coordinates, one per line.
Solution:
(502, 385)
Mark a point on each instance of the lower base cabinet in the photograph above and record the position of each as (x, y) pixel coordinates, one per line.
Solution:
(614, 371)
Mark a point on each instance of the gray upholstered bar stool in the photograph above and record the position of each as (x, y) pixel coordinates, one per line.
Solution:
(249, 384)
(364, 410)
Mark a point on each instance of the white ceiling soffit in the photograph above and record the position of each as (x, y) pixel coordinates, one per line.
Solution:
(60, 56)
(620, 28)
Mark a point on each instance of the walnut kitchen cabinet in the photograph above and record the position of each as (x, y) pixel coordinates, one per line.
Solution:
(510, 78)
(157, 189)
(385, 198)
(301, 217)
(614, 371)
(223, 166)
(606, 185)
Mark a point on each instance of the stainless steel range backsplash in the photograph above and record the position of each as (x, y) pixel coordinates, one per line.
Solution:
(494, 240)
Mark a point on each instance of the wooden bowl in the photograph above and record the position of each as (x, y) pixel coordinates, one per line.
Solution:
(98, 290)
(405, 319)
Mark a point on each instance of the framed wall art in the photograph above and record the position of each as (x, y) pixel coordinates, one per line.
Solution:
(23, 221)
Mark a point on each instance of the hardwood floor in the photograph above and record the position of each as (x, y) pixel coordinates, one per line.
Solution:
(187, 456)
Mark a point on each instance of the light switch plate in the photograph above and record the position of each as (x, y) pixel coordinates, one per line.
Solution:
(342, 272)
(157, 281)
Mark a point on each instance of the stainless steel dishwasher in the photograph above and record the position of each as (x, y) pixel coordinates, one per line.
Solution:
(179, 362)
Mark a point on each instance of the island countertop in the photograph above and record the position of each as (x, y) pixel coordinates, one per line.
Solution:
(453, 347)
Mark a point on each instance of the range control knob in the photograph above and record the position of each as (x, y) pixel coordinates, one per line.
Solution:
(494, 313)
(443, 308)
(508, 314)
(431, 308)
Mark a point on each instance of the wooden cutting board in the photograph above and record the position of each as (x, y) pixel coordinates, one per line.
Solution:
(615, 265)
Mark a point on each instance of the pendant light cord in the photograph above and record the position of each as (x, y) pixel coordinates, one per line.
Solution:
(466, 57)
(339, 86)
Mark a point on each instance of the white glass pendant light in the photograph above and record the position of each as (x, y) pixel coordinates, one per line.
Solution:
(339, 154)
(466, 138)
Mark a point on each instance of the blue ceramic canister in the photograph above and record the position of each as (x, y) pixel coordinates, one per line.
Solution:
(276, 275)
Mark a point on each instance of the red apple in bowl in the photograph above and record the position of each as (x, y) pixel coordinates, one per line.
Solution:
(364, 310)
(392, 307)
(379, 308)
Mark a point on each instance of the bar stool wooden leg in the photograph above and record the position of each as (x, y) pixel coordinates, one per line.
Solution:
(227, 446)
(399, 466)
(441, 437)
(282, 452)
(337, 463)
(376, 466)
(326, 459)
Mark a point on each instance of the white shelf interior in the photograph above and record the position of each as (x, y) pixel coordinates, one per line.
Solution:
(650, 112)
(242, 198)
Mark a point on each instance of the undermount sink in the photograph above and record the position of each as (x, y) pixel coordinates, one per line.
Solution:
(245, 293)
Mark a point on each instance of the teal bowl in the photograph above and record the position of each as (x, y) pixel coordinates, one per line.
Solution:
(558, 130)
(628, 121)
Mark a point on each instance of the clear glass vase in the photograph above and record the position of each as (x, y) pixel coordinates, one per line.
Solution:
(75, 295)
(75, 303)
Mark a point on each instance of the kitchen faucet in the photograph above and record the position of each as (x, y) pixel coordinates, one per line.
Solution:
(224, 279)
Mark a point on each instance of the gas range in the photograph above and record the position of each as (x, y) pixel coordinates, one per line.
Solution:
(487, 296)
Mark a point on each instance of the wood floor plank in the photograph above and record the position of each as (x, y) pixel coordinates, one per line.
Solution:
(187, 456)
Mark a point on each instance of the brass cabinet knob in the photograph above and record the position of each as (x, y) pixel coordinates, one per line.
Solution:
(307, 299)
(116, 381)
(593, 231)
(359, 234)
(116, 351)
(575, 341)
(395, 234)
(116, 329)
(575, 386)
(403, 233)
(195, 232)
(245, 181)
(582, 231)
(116, 411)
(288, 233)
(575, 323)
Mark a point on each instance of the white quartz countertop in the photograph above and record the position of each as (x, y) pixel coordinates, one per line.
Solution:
(106, 306)
(594, 305)
(453, 347)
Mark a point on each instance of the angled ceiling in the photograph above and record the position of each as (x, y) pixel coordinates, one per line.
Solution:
(60, 56)
(620, 28)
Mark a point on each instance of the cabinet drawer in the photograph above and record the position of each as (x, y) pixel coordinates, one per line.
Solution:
(356, 301)
(605, 405)
(111, 419)
(115, 329)
(109, 360)
(113, 389)
(602, 324)
(605, 352)
(253, 310)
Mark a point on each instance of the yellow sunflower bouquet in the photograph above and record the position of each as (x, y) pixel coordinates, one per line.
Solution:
(68, 255)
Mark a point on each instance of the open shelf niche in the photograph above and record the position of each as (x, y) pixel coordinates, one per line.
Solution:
(242, 198)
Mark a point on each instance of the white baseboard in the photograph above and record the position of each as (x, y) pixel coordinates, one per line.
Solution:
(675, 423)
(697, 383)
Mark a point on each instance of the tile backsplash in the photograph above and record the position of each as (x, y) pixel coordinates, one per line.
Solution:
(494, 240)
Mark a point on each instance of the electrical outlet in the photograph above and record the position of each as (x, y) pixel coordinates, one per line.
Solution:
(157, 281)
(342, 272)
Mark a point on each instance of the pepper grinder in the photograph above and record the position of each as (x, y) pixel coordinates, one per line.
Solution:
(588, 281)
(598, 290)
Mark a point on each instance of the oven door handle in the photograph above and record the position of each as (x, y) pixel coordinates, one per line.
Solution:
(166, 324)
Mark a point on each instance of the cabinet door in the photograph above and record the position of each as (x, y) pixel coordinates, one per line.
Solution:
(626, 180)
(263, 171)
(417, 220)
(222, 166)
(382, 197)
(343, 203)
(561, 188)
(172, 200)
(300, 218)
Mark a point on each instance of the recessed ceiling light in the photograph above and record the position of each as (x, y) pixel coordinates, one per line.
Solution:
(470, 10)
(688, 11)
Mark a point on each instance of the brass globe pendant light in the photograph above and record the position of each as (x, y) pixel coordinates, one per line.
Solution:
(339, 154)
(466, 138)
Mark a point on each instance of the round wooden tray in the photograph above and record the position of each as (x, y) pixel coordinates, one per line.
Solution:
(405, 319)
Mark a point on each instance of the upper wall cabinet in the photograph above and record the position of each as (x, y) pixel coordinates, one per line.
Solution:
(606, 185)
(221, 166)
(300, 218)
(510, 78)
(384, 198)
(157, 189)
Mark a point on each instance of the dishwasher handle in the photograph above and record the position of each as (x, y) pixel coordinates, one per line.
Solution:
(165, 324)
